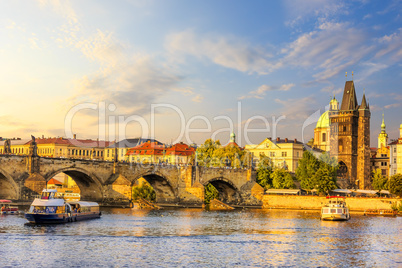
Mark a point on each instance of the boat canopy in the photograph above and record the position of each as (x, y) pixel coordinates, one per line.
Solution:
(5, 201)
(284, 191)
(48, 202)
(85, 204)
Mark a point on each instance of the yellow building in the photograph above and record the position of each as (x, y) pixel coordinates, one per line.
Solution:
(17, 146)
(59, 148)
(283, 153)
(396, 155)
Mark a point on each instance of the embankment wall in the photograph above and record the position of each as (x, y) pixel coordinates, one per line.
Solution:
(316, 202)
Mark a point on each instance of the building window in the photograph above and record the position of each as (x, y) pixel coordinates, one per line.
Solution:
(394, 149)
(383, 164)
(394, 160)
(344, 128)
(272, 154)
(284, 154)
(384, 172)
(324, 137)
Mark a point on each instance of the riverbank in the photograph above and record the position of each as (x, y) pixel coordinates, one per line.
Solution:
(316, 202)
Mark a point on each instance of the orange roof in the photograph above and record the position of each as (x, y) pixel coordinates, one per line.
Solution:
(72, 142)
(180, 149)
(147, 148)
(53, 181)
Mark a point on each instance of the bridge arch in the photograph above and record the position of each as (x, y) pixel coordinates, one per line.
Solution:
(165, 191)
(228, 192)
(8, 187)
(90, 185)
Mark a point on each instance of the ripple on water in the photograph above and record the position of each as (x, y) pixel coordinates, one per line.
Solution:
(194, 238)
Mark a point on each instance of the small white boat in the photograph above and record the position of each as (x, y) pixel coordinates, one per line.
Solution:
(50, 209)
(335, 209)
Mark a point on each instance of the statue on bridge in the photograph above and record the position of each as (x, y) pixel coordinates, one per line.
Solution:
(33, 149)
(7, 146)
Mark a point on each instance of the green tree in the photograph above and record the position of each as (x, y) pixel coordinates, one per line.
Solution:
(308, 166)
(395, 184)
(264, 172)
(205, 152)
(212, 154)
(379, 182)
(210, 193)
(144, 191)
(324, 179)
(281, 179)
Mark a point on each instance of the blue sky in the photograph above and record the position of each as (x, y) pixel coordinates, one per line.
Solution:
(268, 66)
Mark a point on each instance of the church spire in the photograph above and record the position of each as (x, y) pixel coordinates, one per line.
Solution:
(383, 124)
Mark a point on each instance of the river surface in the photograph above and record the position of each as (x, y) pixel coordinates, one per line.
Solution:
(198, 238)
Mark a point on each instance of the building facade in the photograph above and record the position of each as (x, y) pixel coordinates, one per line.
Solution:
(380, 156)
(60, 148)
(120, 148)
(350, 139)
(283, 153)
(395, 155)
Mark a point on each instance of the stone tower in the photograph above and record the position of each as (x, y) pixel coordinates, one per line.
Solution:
(350, 139)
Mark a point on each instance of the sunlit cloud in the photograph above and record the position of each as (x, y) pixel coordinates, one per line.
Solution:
(330, 50)
(261, 91)
(229, 52)
(297, 109)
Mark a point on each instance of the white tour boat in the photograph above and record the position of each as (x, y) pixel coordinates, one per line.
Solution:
(50, 209)
(335, 209)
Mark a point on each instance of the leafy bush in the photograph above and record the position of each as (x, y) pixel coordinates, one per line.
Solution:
(144, 191)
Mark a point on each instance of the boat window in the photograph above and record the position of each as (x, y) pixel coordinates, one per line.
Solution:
(340, 211)
(333, 210)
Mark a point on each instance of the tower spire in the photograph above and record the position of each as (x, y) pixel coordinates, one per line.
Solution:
(383, 124)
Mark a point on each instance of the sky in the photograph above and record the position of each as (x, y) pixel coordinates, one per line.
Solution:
(191, 70)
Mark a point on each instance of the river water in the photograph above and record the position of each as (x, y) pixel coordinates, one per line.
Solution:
(198, 238)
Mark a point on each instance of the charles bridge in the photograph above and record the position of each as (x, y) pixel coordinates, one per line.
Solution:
(110, 183)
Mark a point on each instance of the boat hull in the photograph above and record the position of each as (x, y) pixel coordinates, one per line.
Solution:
(51, 218)
(335, 217)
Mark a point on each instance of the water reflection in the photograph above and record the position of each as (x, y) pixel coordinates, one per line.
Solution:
(194, 237)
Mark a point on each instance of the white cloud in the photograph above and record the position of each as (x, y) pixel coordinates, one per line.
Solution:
(301, 10)
(329, 50)
(260, 92)
(391, 46)
(225, 51)
(296, 109)
(131, 85)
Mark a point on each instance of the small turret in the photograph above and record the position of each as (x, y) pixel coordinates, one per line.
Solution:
(334, 104)
(232, 137)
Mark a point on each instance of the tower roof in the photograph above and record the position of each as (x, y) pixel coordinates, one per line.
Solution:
(349, 100)
(364, 103)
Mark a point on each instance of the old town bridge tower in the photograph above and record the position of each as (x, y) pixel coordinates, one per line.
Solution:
(350, 139)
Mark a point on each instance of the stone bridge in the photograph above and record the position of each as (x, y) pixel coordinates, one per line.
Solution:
(110, 183)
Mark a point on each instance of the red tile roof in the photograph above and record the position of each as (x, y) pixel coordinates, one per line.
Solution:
(147, 148)
(72, 142)
(180, 149)
(153, 148)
